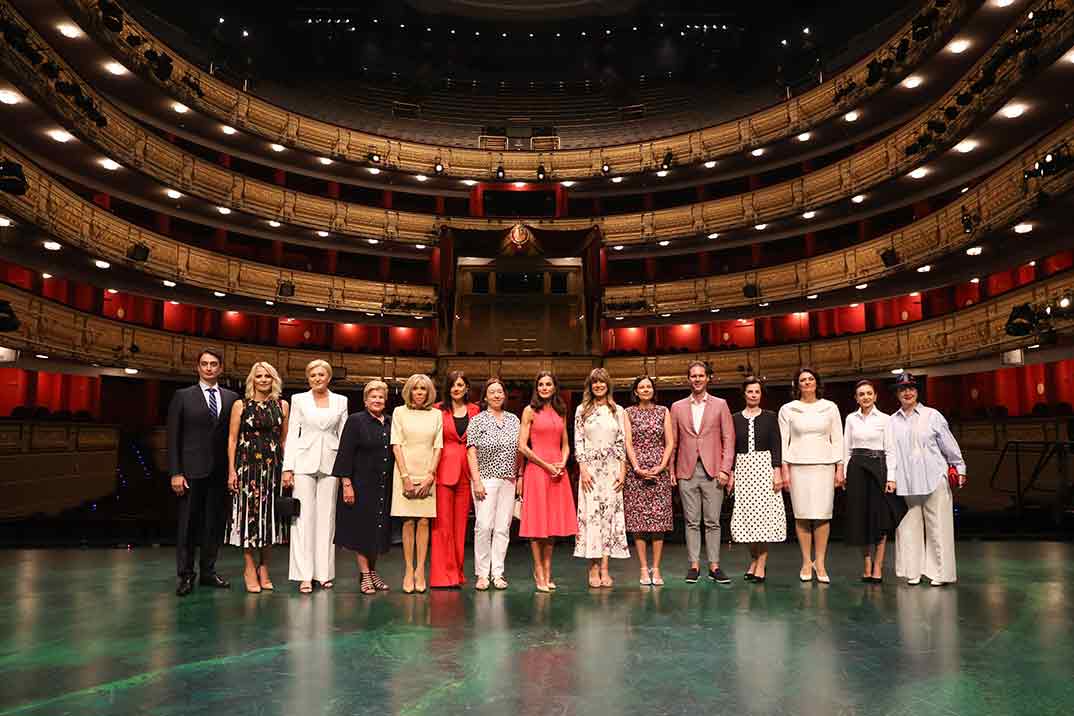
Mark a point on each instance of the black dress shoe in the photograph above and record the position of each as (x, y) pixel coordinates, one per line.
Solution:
(757, 580)
(186, 586)
(216, 581)
(748, 577)
(718, 576)
(692, 575)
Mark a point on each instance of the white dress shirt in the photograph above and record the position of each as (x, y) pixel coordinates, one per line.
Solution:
(697, 411)
(922, 447)
(205, 388)
(866, 432)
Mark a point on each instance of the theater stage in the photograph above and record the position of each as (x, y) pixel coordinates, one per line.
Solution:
(100, 632)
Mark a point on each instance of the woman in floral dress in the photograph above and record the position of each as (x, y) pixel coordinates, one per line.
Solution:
(258, 429)
(599, 447)
(650, 443)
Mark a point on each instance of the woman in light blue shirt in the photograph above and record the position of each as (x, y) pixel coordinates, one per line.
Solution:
(922, 449)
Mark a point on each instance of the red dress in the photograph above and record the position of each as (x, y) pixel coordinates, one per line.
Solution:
(447, 548)
(547, 502)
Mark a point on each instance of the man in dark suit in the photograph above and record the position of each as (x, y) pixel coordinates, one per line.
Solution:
(197, 463)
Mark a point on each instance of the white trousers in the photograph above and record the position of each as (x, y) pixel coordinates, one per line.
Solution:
(925, 539)
(492, 526)
(313, 550)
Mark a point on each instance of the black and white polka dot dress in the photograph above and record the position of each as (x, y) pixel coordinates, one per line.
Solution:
(758, 515)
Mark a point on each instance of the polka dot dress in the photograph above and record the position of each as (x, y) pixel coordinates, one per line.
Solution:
(758, 514)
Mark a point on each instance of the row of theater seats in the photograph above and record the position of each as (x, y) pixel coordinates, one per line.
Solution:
(40, 412)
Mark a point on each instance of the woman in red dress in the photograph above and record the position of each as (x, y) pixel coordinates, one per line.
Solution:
(547, 499)
(448, 538)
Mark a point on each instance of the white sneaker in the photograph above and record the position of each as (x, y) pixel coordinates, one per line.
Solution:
(914, 582)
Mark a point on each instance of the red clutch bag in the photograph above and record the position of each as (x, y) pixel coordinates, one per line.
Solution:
(952, 477)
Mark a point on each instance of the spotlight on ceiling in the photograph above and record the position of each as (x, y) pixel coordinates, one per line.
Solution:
(438, 168)
(605, 168)
(669, 158)
(540, 172)
(500, 173)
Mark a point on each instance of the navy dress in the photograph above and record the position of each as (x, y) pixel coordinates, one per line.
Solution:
(365, 456)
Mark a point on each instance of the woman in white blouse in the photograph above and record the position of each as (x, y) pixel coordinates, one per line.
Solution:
(313, 430)
(812, 436)
(873, 509)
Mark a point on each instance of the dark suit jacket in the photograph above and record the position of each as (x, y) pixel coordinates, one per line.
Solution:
(197, 442)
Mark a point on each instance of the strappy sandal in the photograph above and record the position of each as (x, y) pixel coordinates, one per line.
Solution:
(306, 588)
(499, 582)
(378, 583)
(366, 585)
(482, 584)
(594, 581)
(327, 585)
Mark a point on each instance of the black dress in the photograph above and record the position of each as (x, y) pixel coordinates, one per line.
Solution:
(258, 462)
(365, 456)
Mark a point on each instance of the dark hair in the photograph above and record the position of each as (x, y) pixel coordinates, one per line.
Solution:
(864, 381)
(449, 381)
(213, 352)
(694, 363)
(816, 376)
(493, 380)
(751, 380)
(555, 401)
(634, 388)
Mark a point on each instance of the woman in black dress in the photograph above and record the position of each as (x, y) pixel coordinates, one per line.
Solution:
(364, 467)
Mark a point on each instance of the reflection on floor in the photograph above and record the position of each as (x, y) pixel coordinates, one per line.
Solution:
(100, 632)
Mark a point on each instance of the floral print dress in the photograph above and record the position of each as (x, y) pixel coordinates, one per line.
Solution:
(600, 445)
(258, 462)
(647, 502)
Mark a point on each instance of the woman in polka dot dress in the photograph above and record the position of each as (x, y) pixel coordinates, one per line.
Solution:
(759, 516)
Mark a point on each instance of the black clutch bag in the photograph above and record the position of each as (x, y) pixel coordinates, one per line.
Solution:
(287, 508)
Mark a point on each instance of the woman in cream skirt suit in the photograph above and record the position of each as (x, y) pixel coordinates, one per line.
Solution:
(417, 438)
(812, 434)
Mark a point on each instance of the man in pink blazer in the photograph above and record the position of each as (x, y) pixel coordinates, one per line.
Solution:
(704, 453)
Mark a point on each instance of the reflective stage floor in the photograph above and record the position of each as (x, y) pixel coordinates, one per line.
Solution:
(100, 632)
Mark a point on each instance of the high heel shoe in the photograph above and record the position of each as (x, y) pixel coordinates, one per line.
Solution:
(252, 584)
(408, 588)
(823, 578)
(807, 576)
(646, 579)
(420, 587)
(263, 578)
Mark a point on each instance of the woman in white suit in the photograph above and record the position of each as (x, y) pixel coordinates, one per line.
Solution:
(313, 431)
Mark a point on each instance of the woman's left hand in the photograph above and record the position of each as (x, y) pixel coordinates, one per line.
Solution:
(840, 478)
(618, 484)
(889, 487)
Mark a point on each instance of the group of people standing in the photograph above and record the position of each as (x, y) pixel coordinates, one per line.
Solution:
(428, 462)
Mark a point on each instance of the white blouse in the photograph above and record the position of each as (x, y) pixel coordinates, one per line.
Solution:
(866, 432)
(812, 433)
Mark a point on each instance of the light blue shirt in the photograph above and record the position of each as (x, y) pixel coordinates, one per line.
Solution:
(921, 448)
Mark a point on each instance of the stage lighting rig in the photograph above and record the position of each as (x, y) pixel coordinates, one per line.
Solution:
(438, 168)
(8, 320)
(111, 15)
(12, 179)
(668, 160)
(500, 173)
(375, 157)
(1025, 319)
(160, 63)
(605, 168)
(970, 222)
(540, 172)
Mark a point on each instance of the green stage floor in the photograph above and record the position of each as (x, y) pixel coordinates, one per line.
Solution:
(101, 632)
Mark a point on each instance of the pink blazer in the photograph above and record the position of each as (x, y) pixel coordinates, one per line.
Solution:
(715, 444)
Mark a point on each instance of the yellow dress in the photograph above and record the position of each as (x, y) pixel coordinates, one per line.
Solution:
(418, 433)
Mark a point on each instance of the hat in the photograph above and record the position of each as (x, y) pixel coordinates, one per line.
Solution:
(905, 380)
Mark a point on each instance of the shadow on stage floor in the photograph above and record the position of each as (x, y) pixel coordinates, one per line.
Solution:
(100, 632)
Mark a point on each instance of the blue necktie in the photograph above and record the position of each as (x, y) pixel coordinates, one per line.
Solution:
(213, 407)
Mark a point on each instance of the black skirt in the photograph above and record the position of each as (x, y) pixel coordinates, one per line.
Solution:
(871, 512)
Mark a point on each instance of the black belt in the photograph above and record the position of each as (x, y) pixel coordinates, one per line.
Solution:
(863, 452)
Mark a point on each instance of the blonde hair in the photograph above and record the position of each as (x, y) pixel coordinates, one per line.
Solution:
(277, 384)
(413, 382)
(374, 385)
(319, 363)
(597, 375)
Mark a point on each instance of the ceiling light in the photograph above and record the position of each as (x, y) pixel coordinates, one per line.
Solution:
(4, 222)
(766, 304)
(109, 164)
(114, 68)
(809, 215)
(568, 183)
(219, 294)
(324, 160)
(60, 136)
(1013, 111)
(805, 136)
(897, 371)
(714, 310)
(812, 297)
(974, 251)
(710, 164)
(169, 284)
(854, 305)
(46, 276)
(915, 294)
(966, 146)
(469, 182)
(223, 210)
(274, 224)
(759, 151)
(180, 108)
(858, 199)
(69, 31)
(862, 286)
(714, 235)
(101, 264)
(605, 168)
(975, 280)
(172, 194)
(373, 242)
(912, 82)
(618, 318)
(1023, 228)
(1032, 264)
(665, 242)
(957, 47)
(851, 116)
(51, 246)
(924, 269)
(1003, 3)
(761, 227)
(174, 303)
(228, 130)
(421, 177)
(419, 247)
(438, 167)
(111, 291)
(662, 173)
(618, 247)
(9, 97)
(373, 170)
(665, 315)
(320, 309)
(617, 180)
(270, 303)
(277, 147)
(519, 184)
(130, 371)
(919, 173)
(41, 356)
(963, 190)
(323, 234)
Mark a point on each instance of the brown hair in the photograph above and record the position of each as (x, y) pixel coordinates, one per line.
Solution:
(752, 380)
(449, 381)
(555, 401)
(694, 363)
(597, 375)
(864, 381)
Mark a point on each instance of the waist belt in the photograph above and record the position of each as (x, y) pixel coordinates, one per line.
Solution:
(863, 452)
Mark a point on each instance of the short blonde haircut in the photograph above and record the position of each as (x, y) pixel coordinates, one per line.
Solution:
(319, 363)
(413, 382)
(374, 385)
(277, 384)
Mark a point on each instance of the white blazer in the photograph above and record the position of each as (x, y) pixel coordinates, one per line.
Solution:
(313, 433)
